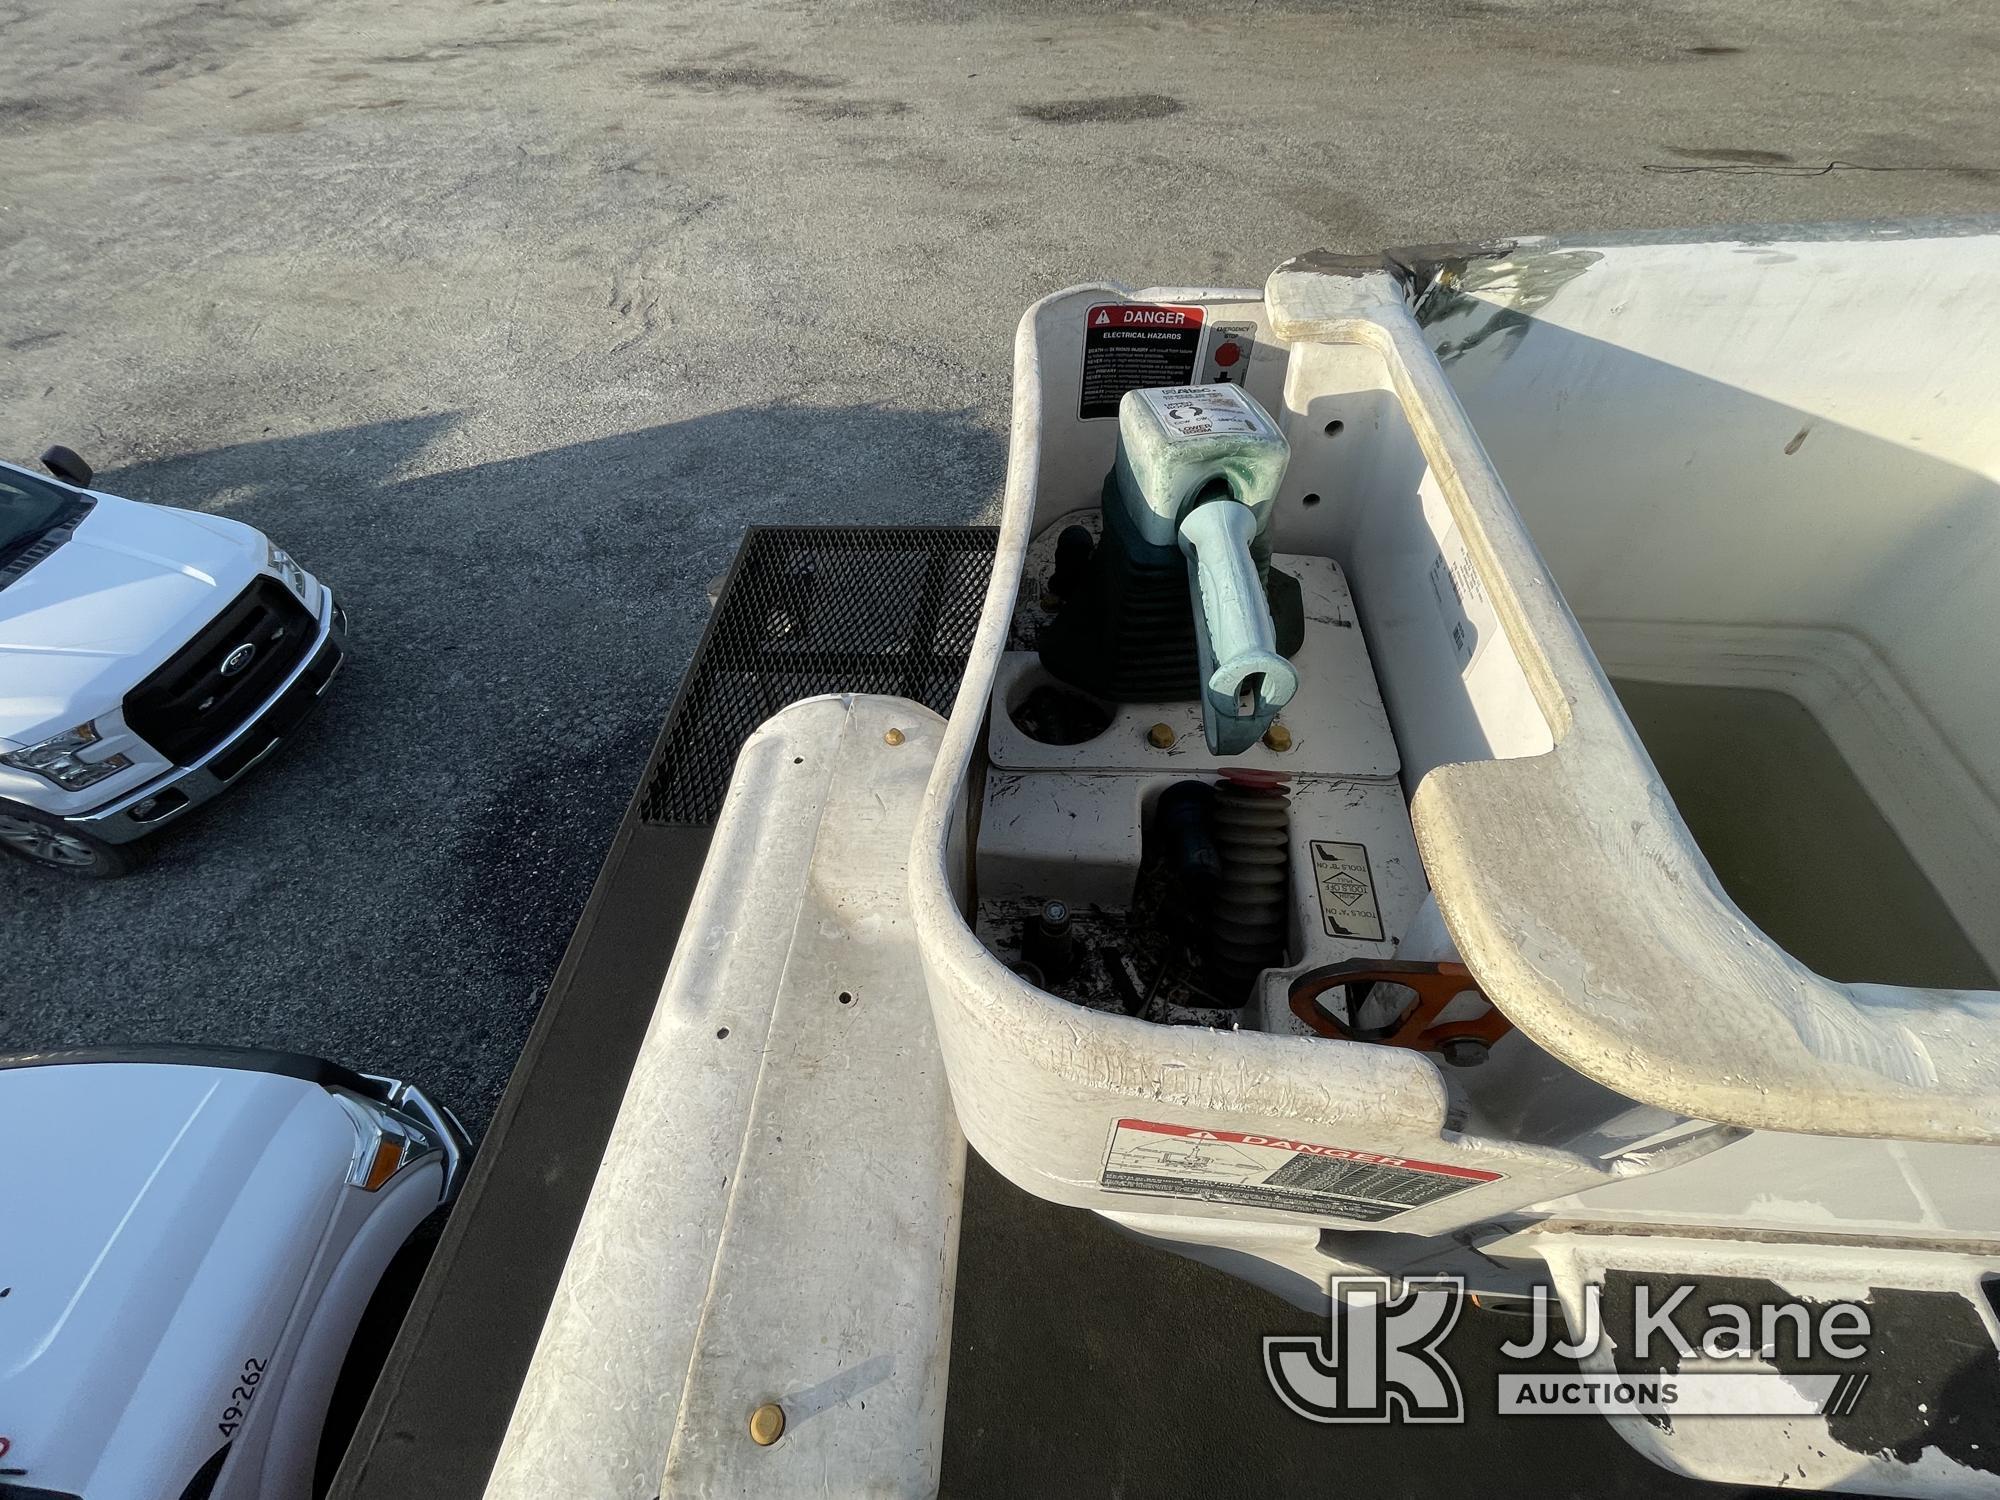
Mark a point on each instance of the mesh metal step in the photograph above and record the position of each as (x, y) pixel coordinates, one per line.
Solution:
(807, 610)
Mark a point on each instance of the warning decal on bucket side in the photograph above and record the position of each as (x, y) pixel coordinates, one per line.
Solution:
(1267, 1171)
(1346, 891)
(1130, 346)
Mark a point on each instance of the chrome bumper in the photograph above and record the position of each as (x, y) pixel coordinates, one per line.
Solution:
(169, 796)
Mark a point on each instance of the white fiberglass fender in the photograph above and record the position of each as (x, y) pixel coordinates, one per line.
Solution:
(773, 1235)
(1568, 882)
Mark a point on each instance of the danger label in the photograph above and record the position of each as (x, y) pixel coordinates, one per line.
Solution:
(1198, 411)
(1346, 891)
(1268, 1171)
(1131, 346)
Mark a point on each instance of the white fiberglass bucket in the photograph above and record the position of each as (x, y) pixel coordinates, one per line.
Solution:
(1761, 474)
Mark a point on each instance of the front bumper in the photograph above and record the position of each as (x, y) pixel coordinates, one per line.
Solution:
(169, 796)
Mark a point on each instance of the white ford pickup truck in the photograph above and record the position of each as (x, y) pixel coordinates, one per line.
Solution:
(149, 657)
(194, 1236)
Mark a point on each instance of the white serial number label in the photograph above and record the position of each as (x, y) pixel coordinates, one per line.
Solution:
(1196, 411)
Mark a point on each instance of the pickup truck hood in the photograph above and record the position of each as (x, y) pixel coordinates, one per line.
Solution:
(158, 1239)
(129, 588)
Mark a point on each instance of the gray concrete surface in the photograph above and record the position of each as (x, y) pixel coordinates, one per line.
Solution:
(508, 316)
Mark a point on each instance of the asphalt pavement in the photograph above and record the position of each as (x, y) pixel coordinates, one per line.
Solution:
(507, 317)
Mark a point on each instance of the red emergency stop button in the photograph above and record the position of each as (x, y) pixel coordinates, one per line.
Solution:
(1227, 354)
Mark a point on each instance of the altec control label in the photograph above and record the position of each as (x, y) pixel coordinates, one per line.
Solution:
(1267, 1171)
(1194, 411)
(1133, 346)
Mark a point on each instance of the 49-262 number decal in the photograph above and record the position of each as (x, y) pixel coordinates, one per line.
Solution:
(241, 1397)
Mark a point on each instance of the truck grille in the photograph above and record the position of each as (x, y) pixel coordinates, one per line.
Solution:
(191, 705)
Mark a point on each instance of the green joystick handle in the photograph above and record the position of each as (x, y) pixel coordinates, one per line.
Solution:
(1244, 681)
(1200, 466)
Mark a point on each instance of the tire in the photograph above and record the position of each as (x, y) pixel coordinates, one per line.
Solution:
(53, 845)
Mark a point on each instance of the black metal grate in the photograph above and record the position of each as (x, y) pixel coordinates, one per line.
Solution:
(818, 609)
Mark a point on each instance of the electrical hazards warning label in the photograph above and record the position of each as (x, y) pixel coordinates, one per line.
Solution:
(1132, 346)
(1267, 1171)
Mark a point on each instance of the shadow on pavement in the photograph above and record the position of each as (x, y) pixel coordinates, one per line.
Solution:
(395, 889)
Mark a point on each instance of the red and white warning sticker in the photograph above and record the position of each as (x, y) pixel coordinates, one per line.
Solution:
(1269, 1171)
(1130, 346)
(1230, 346)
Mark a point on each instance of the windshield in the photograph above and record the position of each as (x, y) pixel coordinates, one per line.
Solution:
(28, 507)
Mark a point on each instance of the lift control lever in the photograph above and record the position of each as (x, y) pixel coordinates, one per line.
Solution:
(1244, 681)
(1199, 467)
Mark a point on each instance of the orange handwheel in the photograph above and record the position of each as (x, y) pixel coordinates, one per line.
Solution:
(1436, 985)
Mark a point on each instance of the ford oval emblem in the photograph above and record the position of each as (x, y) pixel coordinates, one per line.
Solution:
(238, 659)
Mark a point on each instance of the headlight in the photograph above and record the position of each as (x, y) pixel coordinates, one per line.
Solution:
(388, 1141)
(55, 759)
(281, 563)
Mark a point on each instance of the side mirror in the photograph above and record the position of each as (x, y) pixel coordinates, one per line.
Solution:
(66, 466)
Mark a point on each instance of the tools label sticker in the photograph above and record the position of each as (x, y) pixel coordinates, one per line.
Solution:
(1270, 1171)
(1199, 411)
(1130, 346)
(1230, 346)
(1346, 891)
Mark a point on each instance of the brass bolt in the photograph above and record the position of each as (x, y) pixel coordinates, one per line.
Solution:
(893, 737)
(767, 1422)
(1161, 736)
(1278, 738)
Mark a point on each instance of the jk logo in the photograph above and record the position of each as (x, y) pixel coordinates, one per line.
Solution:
(1379, 1360)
